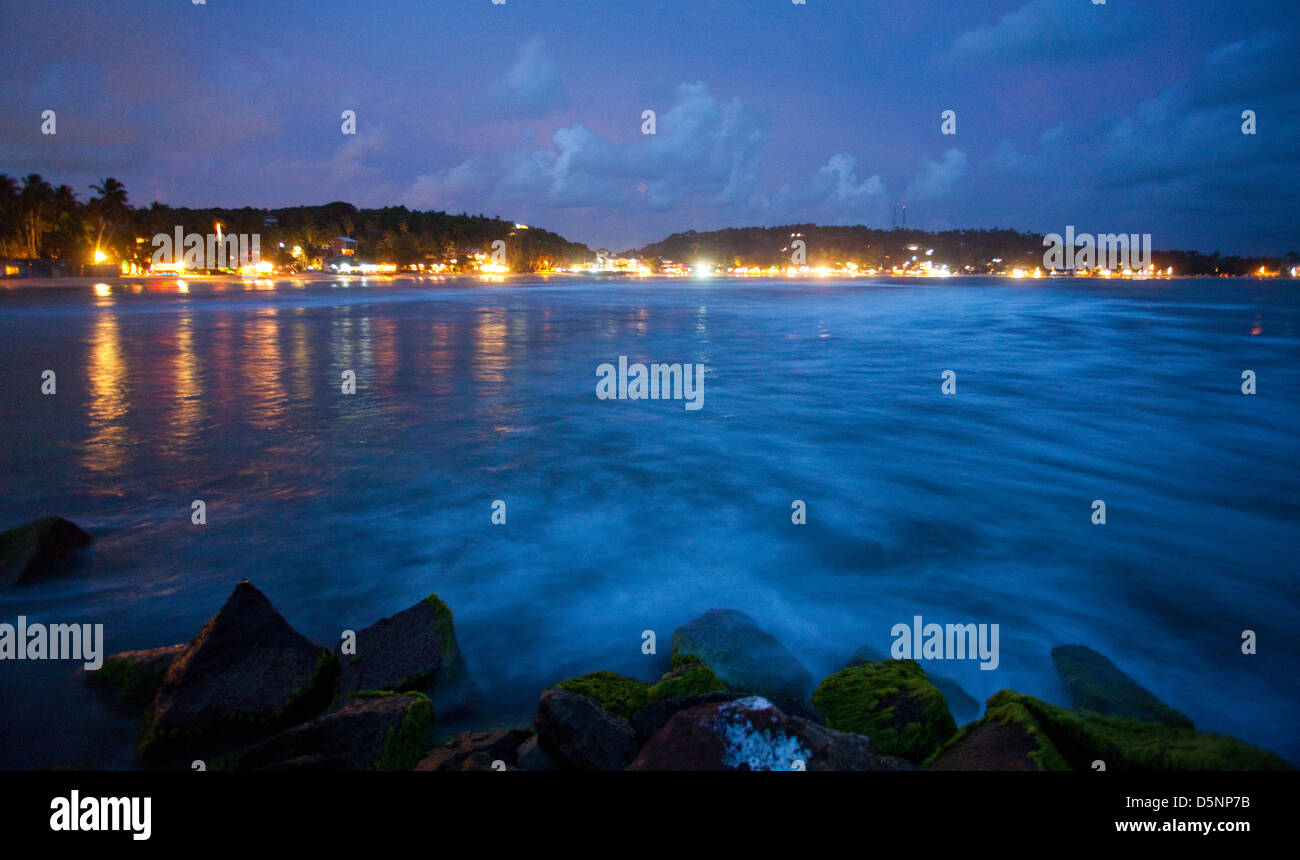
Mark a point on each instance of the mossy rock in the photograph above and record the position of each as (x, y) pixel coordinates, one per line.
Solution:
(1072, 740)
(691, 679)
(743, 655)
(891, 702)
(1125, 744)
(369, 730)
(1008, 737)
(616, 693)
(1096, 684)
(130, 679)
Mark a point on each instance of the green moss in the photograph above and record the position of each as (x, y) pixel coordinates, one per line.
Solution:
(1001, 710)
(681, 660)
(1096, 684)
(128, 681)
(1126, 744)
(690, 680)
(318, 694)
(891, 702)
(443, 623)
(616, 693)
(406, 742)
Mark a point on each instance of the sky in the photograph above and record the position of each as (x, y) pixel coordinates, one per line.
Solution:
(1124, 116)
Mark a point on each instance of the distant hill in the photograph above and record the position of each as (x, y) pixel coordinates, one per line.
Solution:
(963, 250)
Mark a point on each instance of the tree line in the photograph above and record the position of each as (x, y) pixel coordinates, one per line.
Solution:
(41, 221)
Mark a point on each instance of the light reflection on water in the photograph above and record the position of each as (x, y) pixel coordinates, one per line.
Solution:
(632, 516)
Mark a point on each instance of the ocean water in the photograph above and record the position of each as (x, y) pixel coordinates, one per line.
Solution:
(627, 516)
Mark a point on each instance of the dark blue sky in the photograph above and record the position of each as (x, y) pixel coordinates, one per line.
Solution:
(1123, 117)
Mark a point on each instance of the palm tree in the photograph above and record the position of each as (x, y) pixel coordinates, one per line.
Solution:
(10, 223)
(36, 201)
(110, 207)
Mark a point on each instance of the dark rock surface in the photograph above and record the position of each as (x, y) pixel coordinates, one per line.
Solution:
(752, 734)
(578, 734)
(39, 549)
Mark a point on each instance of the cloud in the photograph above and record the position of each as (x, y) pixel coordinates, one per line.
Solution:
(704, 150)
(531, 87)
(1050, 29)
(938, 179)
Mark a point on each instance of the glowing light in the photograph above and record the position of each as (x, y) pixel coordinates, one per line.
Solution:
(100, 256)
(102, 290)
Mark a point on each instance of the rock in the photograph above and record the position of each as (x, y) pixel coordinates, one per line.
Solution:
(415, 649)
(1038, 736)
(752, 734)
(477, 751)
(1096, 684)
(531, 756)
(683, 681)
(38, 549)
(743, 655)
(1006, 738)
(963, 705)
(246, 675)
(131, 679)
(616, 693)
(655, 715)
(579, 734)
(891, 702)
(386, 731)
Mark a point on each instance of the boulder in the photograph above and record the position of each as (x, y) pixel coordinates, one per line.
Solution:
(688, 680)
(246, 675)
(616, 693)
(1094, 683)
(579, 734)
(38, 549)
(382, 731)
(743, 655)
(1007, 738)
(963, 705)
(653, 716)
(477, 751)
(531, 756)
(130, 679)
(1038, 736)
(415, 649)
(892, 702)
(751, 733)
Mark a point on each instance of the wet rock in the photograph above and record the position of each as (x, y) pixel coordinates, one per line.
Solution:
(415, 649)
(477, 751)
(1096, 684)
(130, 679)
(743, 655)
(963, 705)
(653, 716)
(247, 674)
(892, 702)
(579, 734)
(387, 731)
(38, 550)
(1020, 732)
(752, 734)
(531, 756)
(693, 679)
(616, 693)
